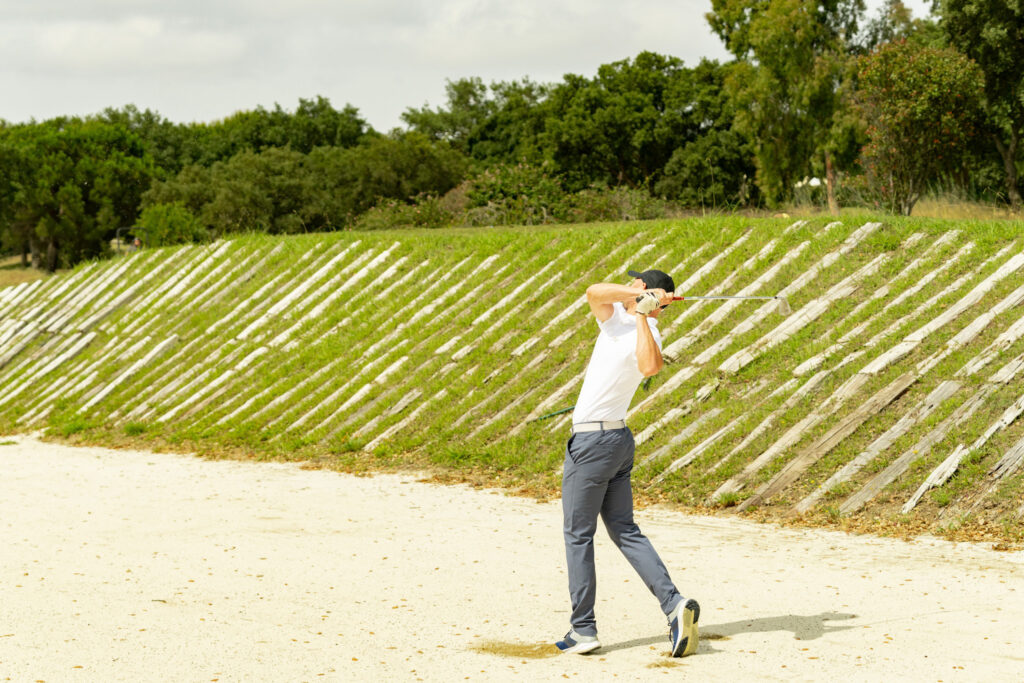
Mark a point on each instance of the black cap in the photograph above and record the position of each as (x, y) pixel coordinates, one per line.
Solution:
(655, 279)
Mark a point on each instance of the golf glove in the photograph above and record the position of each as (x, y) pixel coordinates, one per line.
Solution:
(647, 302)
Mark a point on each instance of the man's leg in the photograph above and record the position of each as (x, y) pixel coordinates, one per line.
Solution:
(617, 513)
(583, 490)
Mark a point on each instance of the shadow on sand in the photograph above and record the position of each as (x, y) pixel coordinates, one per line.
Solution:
(802, 627)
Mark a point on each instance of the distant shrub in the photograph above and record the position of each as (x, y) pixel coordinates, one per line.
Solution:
(514, 194)
(426, 211)
(519, 194)
(166, 224)
(614, 204)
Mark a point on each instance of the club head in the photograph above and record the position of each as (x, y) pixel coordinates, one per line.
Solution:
(784, 309)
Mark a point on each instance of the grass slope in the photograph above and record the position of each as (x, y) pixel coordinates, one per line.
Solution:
(436, 349)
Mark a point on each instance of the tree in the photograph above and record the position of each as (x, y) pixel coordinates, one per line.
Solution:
(991, 32)
(512, 131)
(468, 108)
(714, 166)
(166, 224)
(397, 166)
(922, 107)
(618, 128)
(788, 88)
(77, 182)
(280, 190)
(894, 21)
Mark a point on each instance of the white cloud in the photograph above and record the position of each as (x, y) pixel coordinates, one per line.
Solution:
(205, 59)
(132, 44)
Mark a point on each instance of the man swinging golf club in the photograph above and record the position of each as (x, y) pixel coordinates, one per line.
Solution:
(599, 459)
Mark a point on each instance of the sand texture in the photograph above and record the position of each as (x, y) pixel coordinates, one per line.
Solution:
(135, 566)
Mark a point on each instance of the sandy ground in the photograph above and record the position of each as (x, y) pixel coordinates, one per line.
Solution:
(134, 566)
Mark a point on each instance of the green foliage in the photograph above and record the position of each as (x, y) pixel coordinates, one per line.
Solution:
(787, 91)
(396, 167)
(618, 128)
(922, 107)
(519, 194)
(613, 204)
(426, 211)
(991, 32)
(165, 224)
(714, 166)
(135, 428)
(468, 107)
(284, 191)
(71, 183)
(69, 424)
(502, 126)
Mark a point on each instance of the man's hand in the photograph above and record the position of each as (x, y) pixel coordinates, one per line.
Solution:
(647, 302)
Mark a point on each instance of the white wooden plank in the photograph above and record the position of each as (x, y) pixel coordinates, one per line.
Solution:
(810, 312)
(899, 466)
(813, 452)
(688, 431)
(131, 370)
(922, 410)
(941, 474)
(399, 426)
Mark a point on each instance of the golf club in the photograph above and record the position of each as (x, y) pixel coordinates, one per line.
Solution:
(783, 309)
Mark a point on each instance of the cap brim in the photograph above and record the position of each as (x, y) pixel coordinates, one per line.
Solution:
(633, 273)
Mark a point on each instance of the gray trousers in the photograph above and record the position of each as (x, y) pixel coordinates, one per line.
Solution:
(596, 481)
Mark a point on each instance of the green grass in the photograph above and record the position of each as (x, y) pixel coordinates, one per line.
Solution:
(476, 429)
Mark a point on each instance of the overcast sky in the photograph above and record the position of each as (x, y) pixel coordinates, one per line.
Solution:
(201, 60)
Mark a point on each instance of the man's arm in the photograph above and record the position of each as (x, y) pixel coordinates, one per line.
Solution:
(648, 355)
(602, 295)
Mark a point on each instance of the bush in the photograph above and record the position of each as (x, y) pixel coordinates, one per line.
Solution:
(426, 211)
(615, 204)
(515, 194)
(165, 224)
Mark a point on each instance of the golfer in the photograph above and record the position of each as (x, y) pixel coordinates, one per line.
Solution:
(599, 459)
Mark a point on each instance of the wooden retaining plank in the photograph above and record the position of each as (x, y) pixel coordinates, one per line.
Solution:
(922, 410)
(912, 340)
(816, 361)
(201, 391)
(801, 281)
(899, 466)
(807, 314)
(695, 452)
(737, 482)
(131, 370)
(822, 446)
(395, 409)
(329, 292)
(298, 287)
(683, 435)
(399, 426)
(673, 351)
(948, 467)
(76, 344)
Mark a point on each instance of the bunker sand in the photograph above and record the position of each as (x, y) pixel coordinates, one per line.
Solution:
(127, 565)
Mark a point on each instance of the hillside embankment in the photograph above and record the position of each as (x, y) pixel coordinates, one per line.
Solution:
(888, 398)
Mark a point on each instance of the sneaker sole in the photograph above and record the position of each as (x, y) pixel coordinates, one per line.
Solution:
(687, 645)
(581, 648)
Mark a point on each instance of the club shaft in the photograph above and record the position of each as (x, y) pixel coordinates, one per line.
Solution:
(686, 298)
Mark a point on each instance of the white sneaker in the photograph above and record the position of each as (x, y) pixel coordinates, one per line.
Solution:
(576, 644)
(682, 628)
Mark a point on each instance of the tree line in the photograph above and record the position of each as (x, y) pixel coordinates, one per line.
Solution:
(818, 104)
